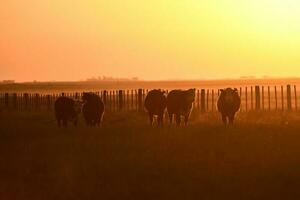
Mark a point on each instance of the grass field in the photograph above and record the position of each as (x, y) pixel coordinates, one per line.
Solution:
(258, 158)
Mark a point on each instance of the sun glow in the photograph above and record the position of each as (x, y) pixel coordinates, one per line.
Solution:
(150, 39)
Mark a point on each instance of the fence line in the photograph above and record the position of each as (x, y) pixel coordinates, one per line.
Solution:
(117, 100)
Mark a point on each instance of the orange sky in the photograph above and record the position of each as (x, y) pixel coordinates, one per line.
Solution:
(170, 39)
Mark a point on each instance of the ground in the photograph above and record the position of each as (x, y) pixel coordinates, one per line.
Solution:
(258, 158)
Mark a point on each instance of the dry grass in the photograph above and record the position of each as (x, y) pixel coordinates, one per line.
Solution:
(258, 158)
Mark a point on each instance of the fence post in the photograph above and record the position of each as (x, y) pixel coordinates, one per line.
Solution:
(14, 101)
(289, 97)
(257, 98)
(37, 97)
(246, 98)
(251, 94)
(295, 93)
(241, 99)
(263, 97)
(104, 97)
(140, 99)
(76, 95)
(207, 101)
(198, 99)
(110, 101)
(6, 97)
(282, 99)
(202, 100)
(25, 96)
(132, 102)
(121, 96)
(276, 101)
(48, 97)
(212, 100)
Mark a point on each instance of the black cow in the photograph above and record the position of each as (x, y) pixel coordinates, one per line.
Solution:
(155, 104)
(92, 109)
(66, 109)
(228, 104)
(180, 103)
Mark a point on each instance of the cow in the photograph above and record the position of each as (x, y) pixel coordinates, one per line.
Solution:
(228, 104)
(92, 109)
(66, 109)
(155, 103)
(180, 103)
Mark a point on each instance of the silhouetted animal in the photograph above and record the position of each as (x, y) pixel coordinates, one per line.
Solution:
(180, 103)
(92, 109)
(228, 104)
(66, 109)
(155, 104)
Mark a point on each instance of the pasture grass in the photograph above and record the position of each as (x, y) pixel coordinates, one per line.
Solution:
(257, 158)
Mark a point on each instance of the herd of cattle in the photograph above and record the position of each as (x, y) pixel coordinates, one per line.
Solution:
(178, 104)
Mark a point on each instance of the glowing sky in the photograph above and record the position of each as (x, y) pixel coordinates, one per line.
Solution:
(157, 39)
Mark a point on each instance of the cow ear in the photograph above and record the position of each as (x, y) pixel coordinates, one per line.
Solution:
(235, 89)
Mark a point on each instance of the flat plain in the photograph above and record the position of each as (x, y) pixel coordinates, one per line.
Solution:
(257, 158)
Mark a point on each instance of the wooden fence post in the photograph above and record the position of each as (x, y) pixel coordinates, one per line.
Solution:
(202, 103)
(132, 102)
(14, 101)
(246, 98)
(289, 97)
(25, 97)
(257, 98)
(104, 97)
(263, 97)
(207, 101)
(251, 94)
(295, 94)
(198, 99)
(241, 106)
(48, 102)
(212, 100)
(269, 99)
(121, 96)
(276, 101)
(282, 99)
(110, 101)
(140, 99)
(6, 99)
(36, 101)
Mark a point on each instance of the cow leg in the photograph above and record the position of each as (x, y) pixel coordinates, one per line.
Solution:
(65, 122)
(100, 119)
(151, 118)
(186, 118)
(58, 122)
(75, 122)
(171, 117)
(224, 119)
(231, 118)
(178, 119)
(160, 119)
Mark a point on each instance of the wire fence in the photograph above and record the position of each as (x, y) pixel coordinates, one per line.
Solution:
(253, 98)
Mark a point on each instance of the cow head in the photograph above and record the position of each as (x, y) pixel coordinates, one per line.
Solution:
(190, 95)
(87, 96)
(229, 94)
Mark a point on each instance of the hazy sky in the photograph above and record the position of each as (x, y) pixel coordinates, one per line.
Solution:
(155, 39)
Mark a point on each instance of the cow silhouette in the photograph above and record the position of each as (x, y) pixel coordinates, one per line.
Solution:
(180, 103)
(92, 109)
(66, 109)
(155, 103)
(228, 104)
